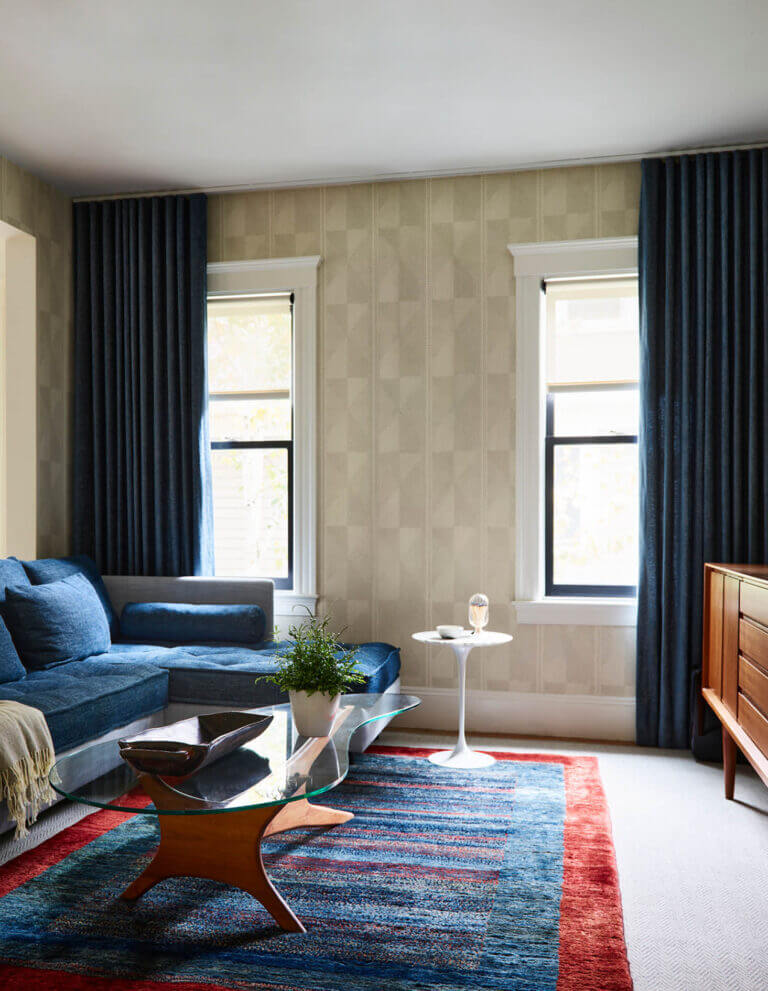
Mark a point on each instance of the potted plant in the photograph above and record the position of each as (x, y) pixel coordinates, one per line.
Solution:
(314, 669)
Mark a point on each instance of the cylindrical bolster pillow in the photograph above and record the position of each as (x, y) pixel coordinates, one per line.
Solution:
(185, 622)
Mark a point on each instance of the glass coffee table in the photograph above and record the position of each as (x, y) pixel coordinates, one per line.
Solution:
(212, 823)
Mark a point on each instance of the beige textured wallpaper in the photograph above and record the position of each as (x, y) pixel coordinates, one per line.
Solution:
(417, 403)
(36, 208)
(416, 421)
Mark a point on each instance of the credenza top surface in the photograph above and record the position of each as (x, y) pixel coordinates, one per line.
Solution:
(753, 572)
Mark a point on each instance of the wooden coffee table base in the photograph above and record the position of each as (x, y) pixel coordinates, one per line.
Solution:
(226, 846)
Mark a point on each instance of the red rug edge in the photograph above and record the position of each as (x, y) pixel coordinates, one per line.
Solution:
(592, 946)
(593, 950)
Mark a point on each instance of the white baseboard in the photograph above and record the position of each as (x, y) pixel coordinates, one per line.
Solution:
(592, 717)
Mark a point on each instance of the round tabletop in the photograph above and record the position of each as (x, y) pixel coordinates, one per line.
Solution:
(484, 639)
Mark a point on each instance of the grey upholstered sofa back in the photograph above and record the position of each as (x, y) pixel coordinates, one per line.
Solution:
(225, 591)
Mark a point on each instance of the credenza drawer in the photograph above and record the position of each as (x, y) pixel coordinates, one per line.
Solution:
(754, 602)
(753, 683)
(754, 722)
(753, 641)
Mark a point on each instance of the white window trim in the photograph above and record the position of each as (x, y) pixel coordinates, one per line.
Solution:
(532, 264)
(299, 276)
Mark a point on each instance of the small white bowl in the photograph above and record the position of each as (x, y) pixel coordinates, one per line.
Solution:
(448, 632)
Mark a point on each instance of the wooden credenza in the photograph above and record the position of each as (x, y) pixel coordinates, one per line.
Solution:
(735, 662)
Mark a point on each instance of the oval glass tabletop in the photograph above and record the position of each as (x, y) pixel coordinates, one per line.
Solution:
(275, 768)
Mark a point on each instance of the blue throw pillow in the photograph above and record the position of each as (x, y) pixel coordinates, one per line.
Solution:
(183, 622)
(51, 569)
(11, 573)
(11, 668)
(57, 622)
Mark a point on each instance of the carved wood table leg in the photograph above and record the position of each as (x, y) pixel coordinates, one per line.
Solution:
(220, 846)
(296, 815)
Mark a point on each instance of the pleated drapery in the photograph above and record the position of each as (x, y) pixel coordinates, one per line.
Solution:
(142, 489)
(704, 410)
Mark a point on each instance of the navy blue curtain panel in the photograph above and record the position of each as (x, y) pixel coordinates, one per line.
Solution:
(704, 411)
(142, 477)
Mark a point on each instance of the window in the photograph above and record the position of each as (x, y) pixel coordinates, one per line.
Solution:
(576, 426)
(250, 365)
(591, 465)
(262, 342)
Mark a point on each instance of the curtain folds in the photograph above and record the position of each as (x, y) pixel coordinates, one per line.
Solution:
(704, 420)
(142, 480)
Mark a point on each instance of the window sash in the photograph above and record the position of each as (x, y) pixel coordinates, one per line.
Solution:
(550, 443)
(270, 445)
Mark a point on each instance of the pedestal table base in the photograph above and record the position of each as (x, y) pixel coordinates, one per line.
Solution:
(462, 757)
(227, 847)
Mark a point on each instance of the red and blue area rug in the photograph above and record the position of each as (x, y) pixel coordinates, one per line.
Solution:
(502, 879)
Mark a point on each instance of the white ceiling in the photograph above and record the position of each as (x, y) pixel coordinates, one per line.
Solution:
(104, 96)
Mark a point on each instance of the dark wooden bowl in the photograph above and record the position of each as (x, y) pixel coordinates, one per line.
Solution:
(182, 748)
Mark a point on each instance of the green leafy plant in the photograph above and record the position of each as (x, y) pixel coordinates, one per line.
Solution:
(315, 661)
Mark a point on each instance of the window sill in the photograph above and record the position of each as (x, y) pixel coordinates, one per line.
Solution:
(293, 604)
(577, 612)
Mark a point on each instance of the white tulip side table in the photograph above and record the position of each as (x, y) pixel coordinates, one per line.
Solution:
(462, 756)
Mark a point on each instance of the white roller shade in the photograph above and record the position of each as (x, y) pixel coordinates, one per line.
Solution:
(592, 332)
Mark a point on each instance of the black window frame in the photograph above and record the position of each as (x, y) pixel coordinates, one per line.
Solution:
(551, 441)
(285, 582)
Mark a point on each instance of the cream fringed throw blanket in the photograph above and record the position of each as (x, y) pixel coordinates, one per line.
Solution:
(26, 758)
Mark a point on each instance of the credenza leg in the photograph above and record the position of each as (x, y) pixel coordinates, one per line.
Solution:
(729, 762)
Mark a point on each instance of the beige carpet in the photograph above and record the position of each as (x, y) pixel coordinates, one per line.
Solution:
(693, 868)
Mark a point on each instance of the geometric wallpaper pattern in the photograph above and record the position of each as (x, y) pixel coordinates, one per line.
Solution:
(416, 419)
(38, 209)
(416, 428)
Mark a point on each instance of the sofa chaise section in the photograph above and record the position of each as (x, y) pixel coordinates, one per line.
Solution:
(225, 676)
(85, 700)
(230, 675)
(90, 700)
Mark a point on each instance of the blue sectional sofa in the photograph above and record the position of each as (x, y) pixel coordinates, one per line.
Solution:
(134, 683)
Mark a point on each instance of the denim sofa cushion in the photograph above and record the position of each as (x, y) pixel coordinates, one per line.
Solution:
(83, 700)
(11, 668)
(11, 573)
(55, 623)
(51, 569)
(181, 622)
(207, 675)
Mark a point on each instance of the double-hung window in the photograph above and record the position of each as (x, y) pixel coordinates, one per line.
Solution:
(590, 445)
(250, 372)
(262, 368)
(576, 460)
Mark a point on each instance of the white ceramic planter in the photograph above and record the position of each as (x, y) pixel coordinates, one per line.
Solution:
(313, 715)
